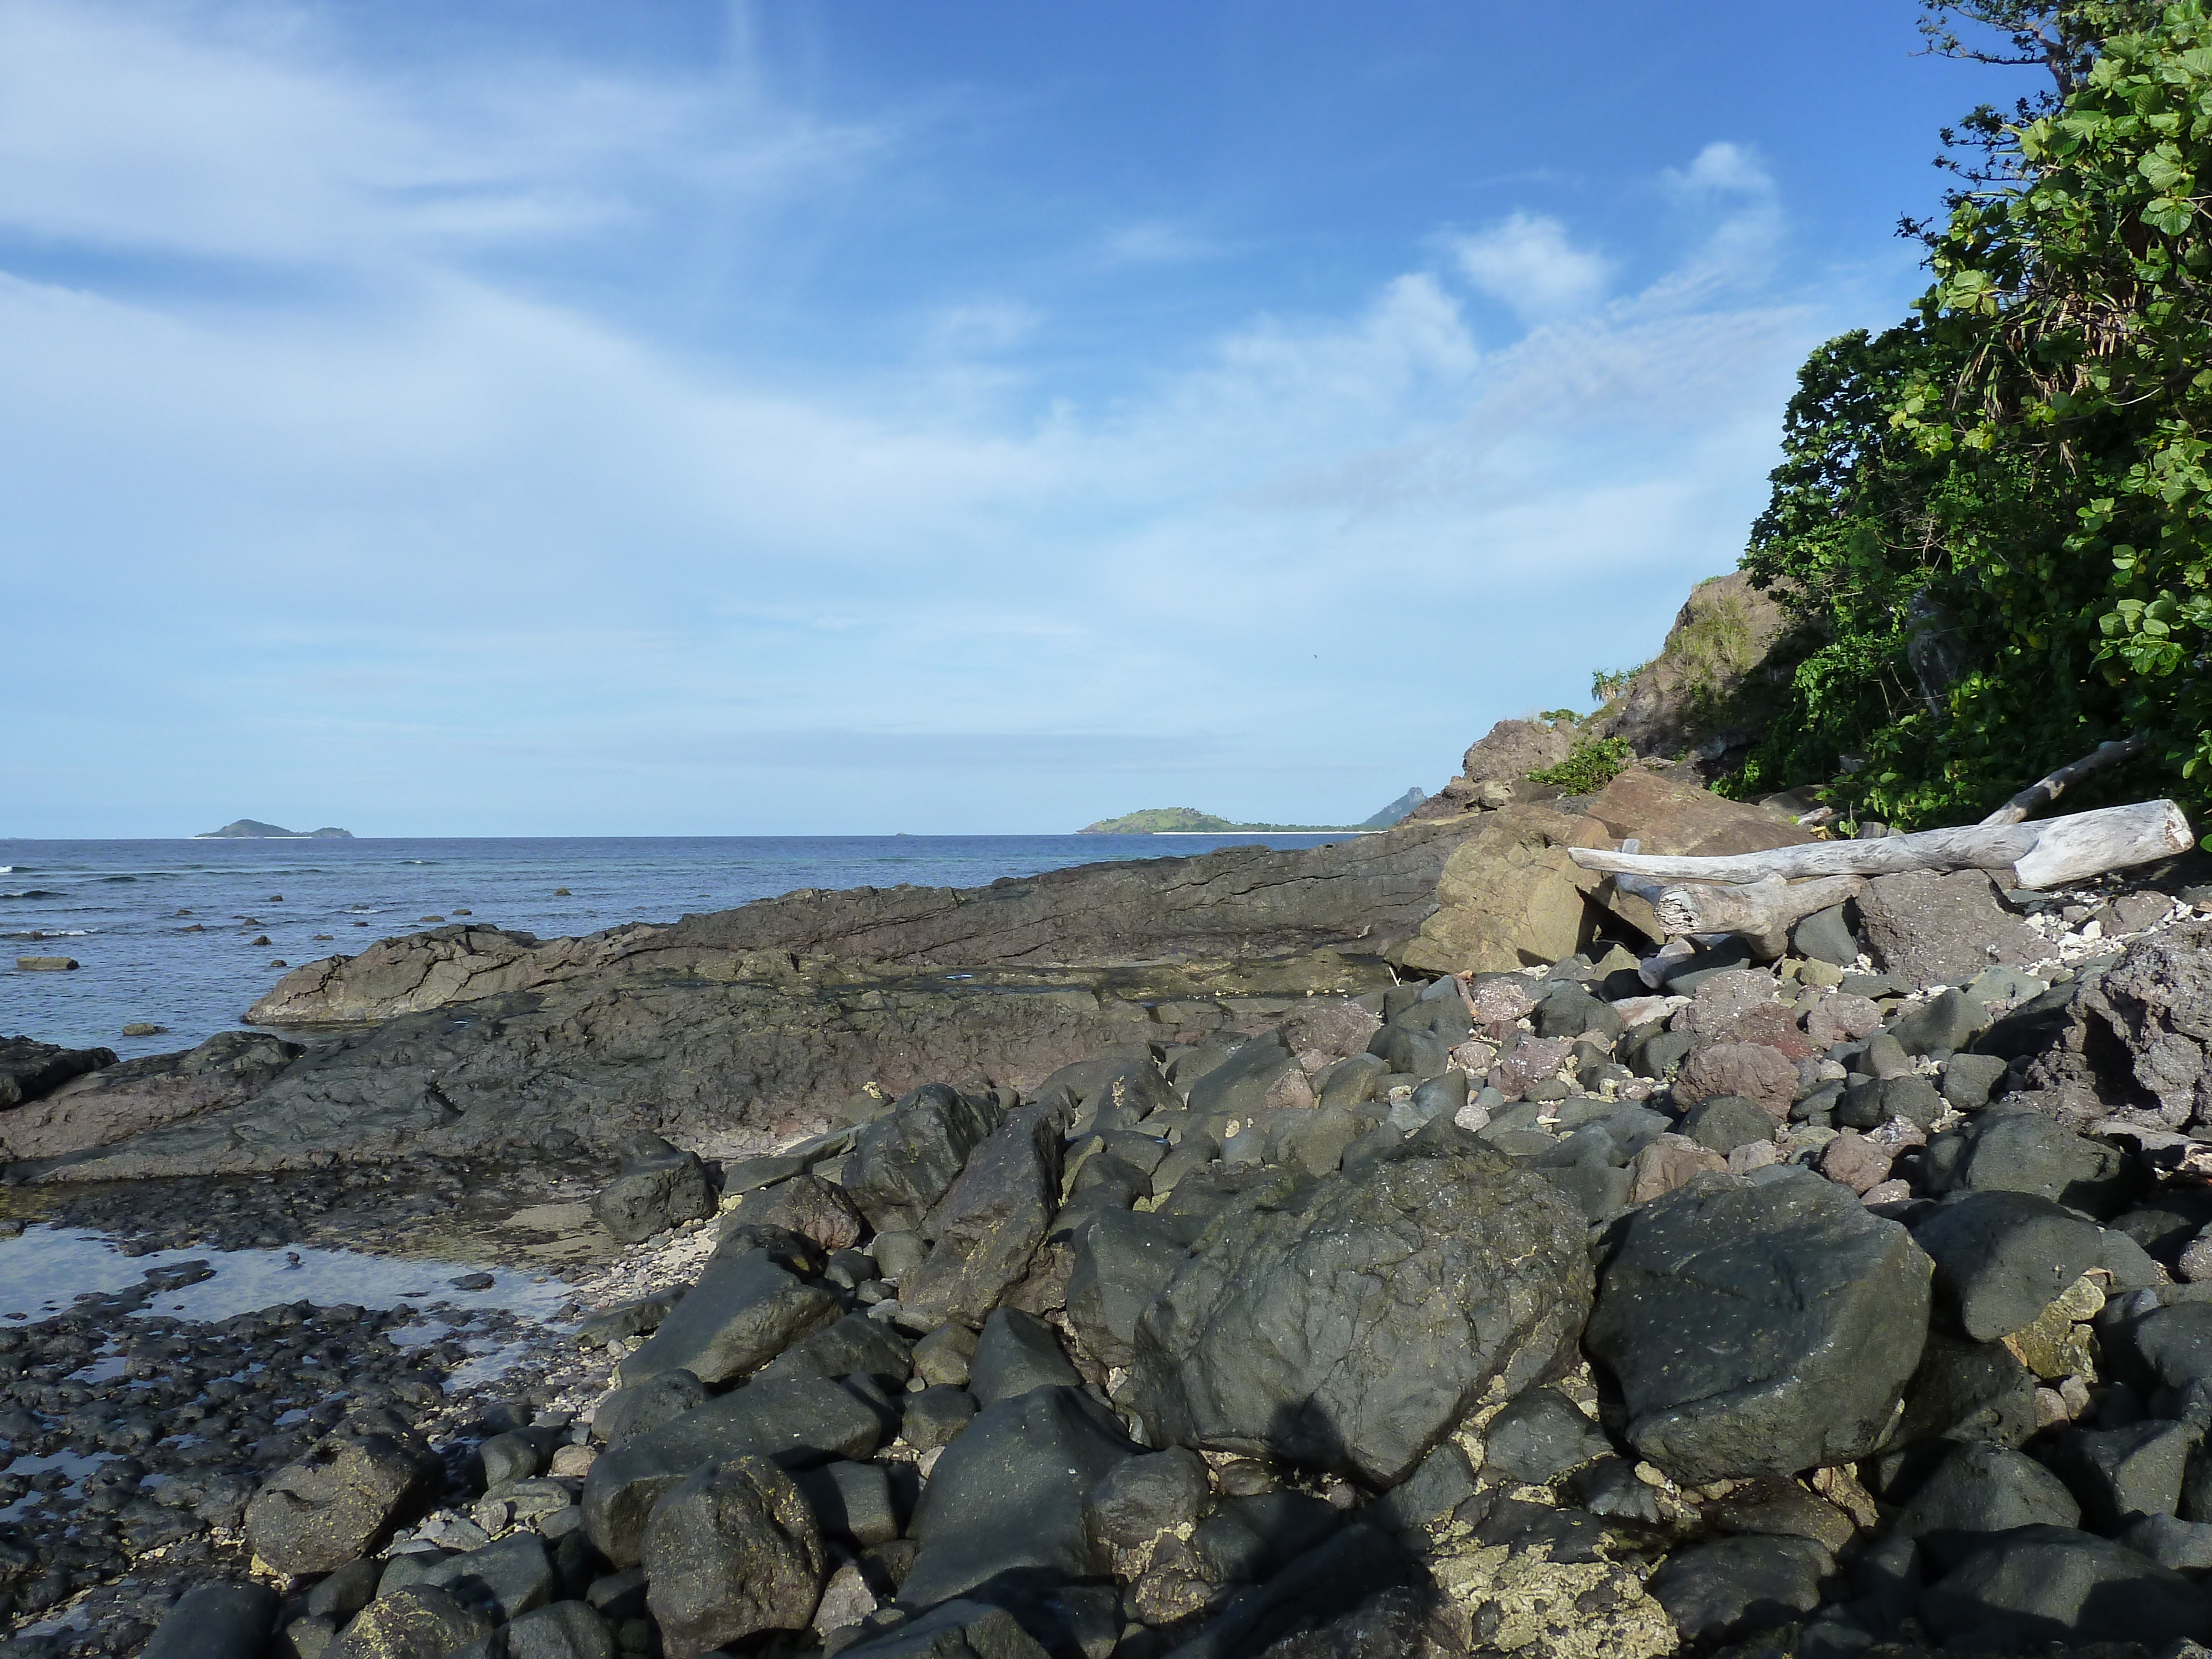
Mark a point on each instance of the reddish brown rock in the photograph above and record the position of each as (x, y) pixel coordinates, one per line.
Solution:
(1765, 1077)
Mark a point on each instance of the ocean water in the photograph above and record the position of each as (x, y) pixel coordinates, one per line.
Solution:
(164, 930)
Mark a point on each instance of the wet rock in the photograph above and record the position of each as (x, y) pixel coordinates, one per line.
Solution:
(1016, 1352)
(749, 1304)
(1986, 1488)
(1759, 1328)
(1011, 1493)
(2039, 1584)
(659, 1187)
(2003, 1257)
(730, 1550)
(902, 1164)
(991, 1220)
(798, 1422)
(1734, 1586)
(413, 1622)
(215, 1622)
(343, 1500)
(1349, 1323)
(1929, 929)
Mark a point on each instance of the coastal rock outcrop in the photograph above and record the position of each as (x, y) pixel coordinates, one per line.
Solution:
(107, 1100)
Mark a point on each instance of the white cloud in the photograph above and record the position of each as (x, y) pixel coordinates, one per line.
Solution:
(1528, 265)
(1721, 168)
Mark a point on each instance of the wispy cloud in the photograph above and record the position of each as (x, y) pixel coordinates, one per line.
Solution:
(487, 540)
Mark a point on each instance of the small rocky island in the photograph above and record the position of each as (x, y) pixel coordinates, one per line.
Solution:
(254, 830)
(1189, 821)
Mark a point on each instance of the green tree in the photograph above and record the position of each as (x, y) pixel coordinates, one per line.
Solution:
(1994, 522)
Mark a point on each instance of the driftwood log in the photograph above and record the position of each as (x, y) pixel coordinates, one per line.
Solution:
(2036, 855)
(2043, 791)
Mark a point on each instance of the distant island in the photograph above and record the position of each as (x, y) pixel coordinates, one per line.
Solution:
(254, 830)
(1189, 821)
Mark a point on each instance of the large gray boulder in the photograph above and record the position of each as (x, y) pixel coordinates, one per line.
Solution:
(659, 1186)
(750, 1304)
(2041, 1584)
(991, 1220)
(1123, 1259)
(1979, 1487)
(903, 1163)
(2002, 1258)
(2156, 1004)
(1759, 1328)
(1927, 928)
(797, 1423)
(344, 1498)
(1350, 1323)
(1011, 1495)
(732, 1550)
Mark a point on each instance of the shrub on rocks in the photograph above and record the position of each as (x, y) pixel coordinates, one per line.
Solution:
(1759, 1328)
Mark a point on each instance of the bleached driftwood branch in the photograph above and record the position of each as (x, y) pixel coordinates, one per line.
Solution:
(2043, 791)
(1760, 912)
(2046, 855)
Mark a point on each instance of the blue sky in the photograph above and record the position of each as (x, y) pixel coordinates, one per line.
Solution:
(552, 418)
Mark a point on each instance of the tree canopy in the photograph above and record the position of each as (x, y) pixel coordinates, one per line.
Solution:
(1993, 523)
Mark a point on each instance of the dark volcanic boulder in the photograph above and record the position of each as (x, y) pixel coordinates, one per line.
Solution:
(2039, 1584)
(1985, 1488)
(1011, 1494)
(1929, 929)
(1759, 1328)
(1349, 1323)
(991, 1220)
(2002, 1258)
(659, 1187)
(219, 1620)
(1733, 1585)
(29, 1068)
(731, 1550)
(797, 1422)
(343, 1500)
(2155, 1003)
(122, 1099)
(754, 1300)
(903, 1163)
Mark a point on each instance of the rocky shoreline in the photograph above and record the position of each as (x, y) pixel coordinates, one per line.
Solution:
(1258, 1254)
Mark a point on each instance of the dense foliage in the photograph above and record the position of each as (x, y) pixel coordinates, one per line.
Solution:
(1589, 766)
(1994, 521)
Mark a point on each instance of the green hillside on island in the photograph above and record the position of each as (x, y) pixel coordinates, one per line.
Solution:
(1189, 821)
